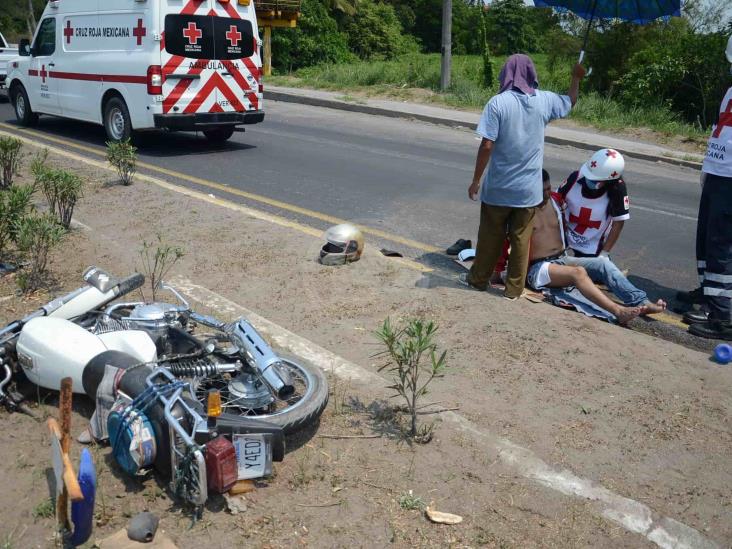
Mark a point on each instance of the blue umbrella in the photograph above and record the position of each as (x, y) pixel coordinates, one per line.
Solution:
(635, 11)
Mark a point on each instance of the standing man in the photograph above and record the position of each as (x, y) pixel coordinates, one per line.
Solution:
(512, 131)
(714, 226)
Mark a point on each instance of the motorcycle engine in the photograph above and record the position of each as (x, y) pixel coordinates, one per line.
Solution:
(155, 319)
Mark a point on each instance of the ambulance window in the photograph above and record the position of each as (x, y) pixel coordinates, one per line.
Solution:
(189, 36)
(234, 38)
(46, 38)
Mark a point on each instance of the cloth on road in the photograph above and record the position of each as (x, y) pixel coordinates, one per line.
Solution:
(515, 122)
(572, 297)
(495, 223)
(714, 244)
(518, 73)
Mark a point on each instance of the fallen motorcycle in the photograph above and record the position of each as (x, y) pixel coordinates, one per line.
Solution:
(202, 401)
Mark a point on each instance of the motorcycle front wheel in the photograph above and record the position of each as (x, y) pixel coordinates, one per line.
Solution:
(298, 410)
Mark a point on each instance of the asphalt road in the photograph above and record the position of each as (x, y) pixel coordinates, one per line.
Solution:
(407, 178)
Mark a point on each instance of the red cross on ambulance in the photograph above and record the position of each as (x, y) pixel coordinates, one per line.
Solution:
(68, 31)
(233, 36)
(139, 32)
(193, 33)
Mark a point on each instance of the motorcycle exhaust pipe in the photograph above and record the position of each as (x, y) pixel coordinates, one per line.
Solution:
(261, 355)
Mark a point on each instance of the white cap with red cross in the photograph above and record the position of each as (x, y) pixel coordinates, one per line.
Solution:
(605, 164)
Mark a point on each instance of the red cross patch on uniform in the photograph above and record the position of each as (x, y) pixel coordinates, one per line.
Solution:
(626, 202)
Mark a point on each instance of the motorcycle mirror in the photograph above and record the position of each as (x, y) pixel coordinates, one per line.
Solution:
(180, 298)
(99, 279)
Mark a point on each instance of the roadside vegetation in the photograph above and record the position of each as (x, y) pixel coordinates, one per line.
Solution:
(652, 76)
(29, 228)
(398, 79)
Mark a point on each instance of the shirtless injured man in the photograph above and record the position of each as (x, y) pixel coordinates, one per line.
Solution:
(550, 267)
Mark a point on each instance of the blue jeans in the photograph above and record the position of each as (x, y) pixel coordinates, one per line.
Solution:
(603, 271)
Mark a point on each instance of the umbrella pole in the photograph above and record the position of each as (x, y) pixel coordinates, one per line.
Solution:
(587, 32)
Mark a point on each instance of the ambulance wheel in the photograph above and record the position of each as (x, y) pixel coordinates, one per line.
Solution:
(219, 135)
(117, 120)
(22, 106)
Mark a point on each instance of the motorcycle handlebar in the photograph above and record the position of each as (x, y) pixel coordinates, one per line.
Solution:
(130, 283)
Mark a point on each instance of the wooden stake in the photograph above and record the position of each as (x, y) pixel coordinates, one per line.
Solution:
(62, 502)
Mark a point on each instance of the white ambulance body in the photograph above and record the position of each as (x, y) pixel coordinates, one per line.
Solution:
(142, 64)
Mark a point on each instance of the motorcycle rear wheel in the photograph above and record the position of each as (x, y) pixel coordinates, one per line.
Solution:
(297, 411)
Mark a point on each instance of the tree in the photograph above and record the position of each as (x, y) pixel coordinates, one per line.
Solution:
(375, 32)
(316, 39)
(510, 27)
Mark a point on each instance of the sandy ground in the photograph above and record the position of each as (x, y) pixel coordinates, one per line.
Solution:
(646, 418)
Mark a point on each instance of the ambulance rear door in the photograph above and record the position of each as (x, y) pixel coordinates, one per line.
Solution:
(207, 64)
(187, 48)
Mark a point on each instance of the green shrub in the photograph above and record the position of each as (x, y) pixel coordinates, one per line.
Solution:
(39, 166)
(15, 203)
(36, 236)
(375, 32)
(673, 75)
(10, 157)
(122, 155)
(62, 190)
(315, 40)
(412, 360)
(158, 258)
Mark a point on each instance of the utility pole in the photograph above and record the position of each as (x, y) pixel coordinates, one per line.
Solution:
(446, 65)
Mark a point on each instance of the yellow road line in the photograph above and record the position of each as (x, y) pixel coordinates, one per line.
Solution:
(670, 319)
(244, 194)
(252, 212)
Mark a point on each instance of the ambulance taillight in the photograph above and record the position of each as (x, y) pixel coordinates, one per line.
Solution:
(154, 80)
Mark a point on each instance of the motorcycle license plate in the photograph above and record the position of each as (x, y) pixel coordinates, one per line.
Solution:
(253, 455)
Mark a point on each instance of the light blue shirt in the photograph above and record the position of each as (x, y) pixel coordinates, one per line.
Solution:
(515, 122)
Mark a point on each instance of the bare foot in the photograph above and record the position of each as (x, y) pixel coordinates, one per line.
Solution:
(653, 308)
(626, 314)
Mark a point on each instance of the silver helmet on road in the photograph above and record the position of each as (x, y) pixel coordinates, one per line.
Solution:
(343, 244)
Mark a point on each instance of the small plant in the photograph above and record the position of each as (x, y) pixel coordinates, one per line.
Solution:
(36, 236)
(157, 260)
(410, 502)
(62, 190)
(38, 166)
(10, 157)
(15, 203)
(406, 348)
(45, 509)
(122, 155)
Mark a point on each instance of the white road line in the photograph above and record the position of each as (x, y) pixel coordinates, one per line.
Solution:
(662, 212)
(632, 515)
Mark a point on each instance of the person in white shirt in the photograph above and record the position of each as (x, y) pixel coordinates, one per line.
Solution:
(714, 230)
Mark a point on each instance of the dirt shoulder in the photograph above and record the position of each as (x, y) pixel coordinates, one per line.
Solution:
(645, 418)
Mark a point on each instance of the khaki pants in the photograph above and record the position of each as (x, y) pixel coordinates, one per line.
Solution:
(495, 223)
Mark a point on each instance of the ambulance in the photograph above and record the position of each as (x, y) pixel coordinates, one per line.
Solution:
(190, 65)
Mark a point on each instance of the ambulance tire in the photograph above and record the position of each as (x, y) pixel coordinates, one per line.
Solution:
(219, 135)
(22, 107)
(117, 122)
